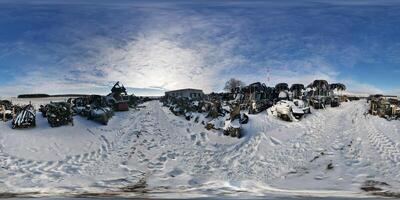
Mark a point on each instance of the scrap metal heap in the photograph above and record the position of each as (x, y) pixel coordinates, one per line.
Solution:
(257, 97)
(118, 99)
(233, 124)
(335, 98)
(386, 107)
(319, 94)
(288, 103)
(25, 118)
(93, 107)
(7, 110)
(290, 110)
(58, 113)
(291, 104)
(214, 112)
(78, 105)
(281, 91)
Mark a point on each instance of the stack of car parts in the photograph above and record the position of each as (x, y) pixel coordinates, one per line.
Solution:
(58, 113)
(25, 118)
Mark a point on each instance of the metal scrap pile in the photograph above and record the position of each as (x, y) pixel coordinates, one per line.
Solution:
(386, 107)
(227, 118)
(255, 97)
(291, 103)
(321, 94)
(233, 124)
(78, 105)
(183, 106)
(93, 107)
(282, 101)
(58, 113)
(214, 113)
(6, 110)
(25, 118)
(118, 99)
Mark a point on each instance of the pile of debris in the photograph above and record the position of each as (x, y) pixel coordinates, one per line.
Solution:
(93, 107)
(290, 110)
(118, 99)
(212, 112)
(291, 103)
(227, 118)
(387, 107)
(184, 106)
(25, 118)
(282, 101)
(58, 113)
(321, 94)
(255, 97)
(7, 110)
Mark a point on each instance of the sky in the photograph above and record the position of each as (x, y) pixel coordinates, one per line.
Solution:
(85, 46)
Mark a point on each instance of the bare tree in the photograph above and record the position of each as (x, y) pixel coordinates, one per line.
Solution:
(233, 83)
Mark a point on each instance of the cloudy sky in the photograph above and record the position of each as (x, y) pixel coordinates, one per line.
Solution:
(84, 46)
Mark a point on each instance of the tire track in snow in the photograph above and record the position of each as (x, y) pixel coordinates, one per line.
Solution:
(72, 164)
(383, 144)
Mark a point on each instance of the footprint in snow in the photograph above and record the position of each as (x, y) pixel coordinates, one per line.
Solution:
(203, 135)
(175, 172)
(171, 155)
(198, 143)
(193, 137)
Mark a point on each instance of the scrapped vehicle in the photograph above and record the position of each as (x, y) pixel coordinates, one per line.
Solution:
(118, 99)
(6, 110)
(302, 105)
(318, 102)
(297, 91)
(282, 91)
(217, 115)
(233, 128)
(43, 110)
(97, 109)
(79, 104)
(100, 114)
(59, 114)
(257, 97)
(388, 108)
(320, 94)
(215, 110)
(233, 125)
(25, 118)
(287, 110)
(258, 106)
(335, 101)
(183, 106)
(216, 123)
(134, 101)
(335, 97)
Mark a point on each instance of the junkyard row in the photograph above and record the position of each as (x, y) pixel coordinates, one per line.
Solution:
(225, 111)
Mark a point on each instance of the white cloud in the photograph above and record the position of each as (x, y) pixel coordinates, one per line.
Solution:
(167, 54)
(177, 48)
(361, 88)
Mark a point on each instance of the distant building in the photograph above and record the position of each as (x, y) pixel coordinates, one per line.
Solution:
(188, 93)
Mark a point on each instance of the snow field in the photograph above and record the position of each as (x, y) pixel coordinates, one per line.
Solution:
(331, 150)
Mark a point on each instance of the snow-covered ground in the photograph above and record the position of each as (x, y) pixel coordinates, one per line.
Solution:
(331, 152)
